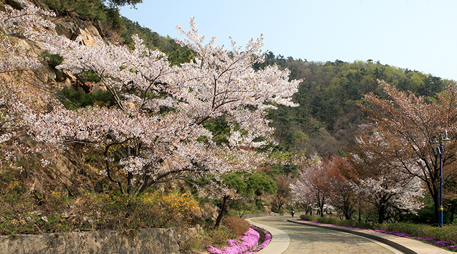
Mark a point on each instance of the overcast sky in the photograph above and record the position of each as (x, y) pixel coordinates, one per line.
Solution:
(416, 34)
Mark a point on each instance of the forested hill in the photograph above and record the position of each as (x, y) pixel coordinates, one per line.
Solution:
(328, 118)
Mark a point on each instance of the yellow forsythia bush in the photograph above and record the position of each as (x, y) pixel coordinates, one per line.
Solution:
(175, 204)
(144, 211)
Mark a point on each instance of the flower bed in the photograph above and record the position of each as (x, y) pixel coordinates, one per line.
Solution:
(245, 245)
(265, 242)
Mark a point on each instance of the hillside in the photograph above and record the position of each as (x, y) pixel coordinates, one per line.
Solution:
(122, 146)
(99, 130)
(328, 118)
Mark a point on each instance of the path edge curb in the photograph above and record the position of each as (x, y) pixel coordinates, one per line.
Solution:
(395, 245)
(279, 243)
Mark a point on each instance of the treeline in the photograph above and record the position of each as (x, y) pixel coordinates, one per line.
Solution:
(176, 53)
(328, 117)
(107, 12)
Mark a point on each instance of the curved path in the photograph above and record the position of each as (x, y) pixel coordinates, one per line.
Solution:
(309, 239)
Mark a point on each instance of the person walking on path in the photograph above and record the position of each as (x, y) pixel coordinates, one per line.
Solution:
(292, 212)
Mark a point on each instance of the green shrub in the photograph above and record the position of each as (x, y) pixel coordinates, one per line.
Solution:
(236, 224)
(447, 233)
(80, 99)
(90, 76)
(114, 17)
(52, 59)
(305, 217)
(219, 236)
(327, 220)
(231, 228)
(354, 223)
(309, 217)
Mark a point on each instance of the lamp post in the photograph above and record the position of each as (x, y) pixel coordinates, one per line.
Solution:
(442, 141)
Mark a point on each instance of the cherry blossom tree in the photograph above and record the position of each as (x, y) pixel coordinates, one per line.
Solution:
(26, 23)
(19, 28)
(283, 194)
(381, 184)
(402, 130)
(156, 133)
(341, 188)
(312, 183)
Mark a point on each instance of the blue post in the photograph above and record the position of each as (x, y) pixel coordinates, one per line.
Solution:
(441, 186)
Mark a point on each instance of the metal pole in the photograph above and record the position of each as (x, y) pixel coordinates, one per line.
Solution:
(441, 186)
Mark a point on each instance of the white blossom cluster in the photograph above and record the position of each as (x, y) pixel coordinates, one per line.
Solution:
(384, 185)
(383, 191)
(24, 23)
(312, 185)
(16, 115)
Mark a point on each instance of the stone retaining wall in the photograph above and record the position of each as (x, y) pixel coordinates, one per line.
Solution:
(155, 240)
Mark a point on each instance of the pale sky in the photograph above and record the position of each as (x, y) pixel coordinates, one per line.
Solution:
(415, 34)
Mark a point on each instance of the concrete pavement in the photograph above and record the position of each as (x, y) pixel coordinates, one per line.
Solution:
(403, 244)
(281, 242)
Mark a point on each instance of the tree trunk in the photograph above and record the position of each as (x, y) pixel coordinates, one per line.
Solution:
(221, 213)
(360, 211)
(451, 209)
(436, 202)
(347, 209)
(381, 214)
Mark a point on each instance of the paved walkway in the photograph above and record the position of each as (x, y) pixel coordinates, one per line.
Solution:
(305, 237)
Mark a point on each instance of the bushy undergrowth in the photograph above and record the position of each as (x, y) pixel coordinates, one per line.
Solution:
(238, 225)
(26, 211)
(447, 233)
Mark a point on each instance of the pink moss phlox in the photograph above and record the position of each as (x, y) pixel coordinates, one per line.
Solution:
(247, 242)
(266, 241)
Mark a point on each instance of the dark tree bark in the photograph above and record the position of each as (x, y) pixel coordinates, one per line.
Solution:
(221, 213)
